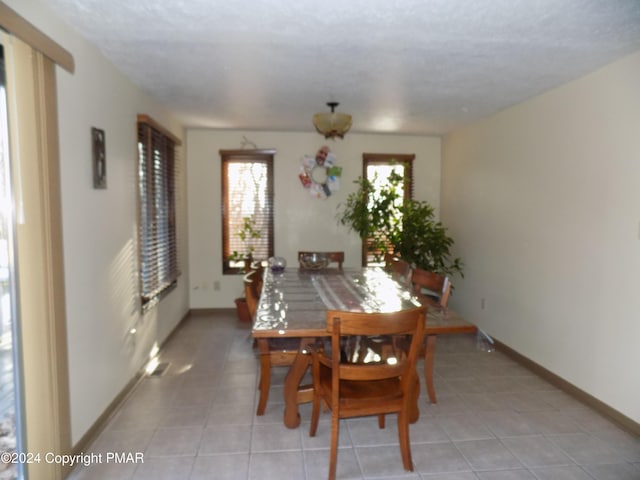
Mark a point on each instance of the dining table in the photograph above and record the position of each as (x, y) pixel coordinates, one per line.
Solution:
(294, 303)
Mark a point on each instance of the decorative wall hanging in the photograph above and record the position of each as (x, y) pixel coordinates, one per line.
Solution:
(320, 174)
(247, 143)
(99, 158)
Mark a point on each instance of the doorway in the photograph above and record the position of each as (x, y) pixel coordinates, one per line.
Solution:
(11, 409)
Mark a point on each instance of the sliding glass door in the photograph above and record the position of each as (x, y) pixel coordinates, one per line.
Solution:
(10, 371)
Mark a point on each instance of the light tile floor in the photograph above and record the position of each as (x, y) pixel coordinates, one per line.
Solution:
(494, 420)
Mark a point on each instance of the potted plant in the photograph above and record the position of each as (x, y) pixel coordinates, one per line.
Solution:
(406, 228)
(247, 234)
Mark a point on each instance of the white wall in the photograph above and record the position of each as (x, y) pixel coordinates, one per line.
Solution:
(99, 226)
(301, 222)
(543, 201)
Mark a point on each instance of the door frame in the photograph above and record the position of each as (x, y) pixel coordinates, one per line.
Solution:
(32, 105)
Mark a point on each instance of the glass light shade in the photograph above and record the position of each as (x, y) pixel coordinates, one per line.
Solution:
(332, 124)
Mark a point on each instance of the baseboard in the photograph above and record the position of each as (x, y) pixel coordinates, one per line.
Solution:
(98, 426)
(622, 420)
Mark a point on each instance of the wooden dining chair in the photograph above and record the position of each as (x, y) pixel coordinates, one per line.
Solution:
(333, 257)
(434, 286)
(273, 352)
(376, 377)
(252, 282)
(398, 268)
(435, 289)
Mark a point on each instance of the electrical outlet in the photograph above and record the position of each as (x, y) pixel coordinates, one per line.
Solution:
(216, 286)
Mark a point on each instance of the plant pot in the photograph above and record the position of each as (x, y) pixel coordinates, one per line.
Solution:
(243, 310)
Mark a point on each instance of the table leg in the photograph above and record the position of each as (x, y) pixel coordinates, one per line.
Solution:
(430, 349)
(265, 374)
(292, 381)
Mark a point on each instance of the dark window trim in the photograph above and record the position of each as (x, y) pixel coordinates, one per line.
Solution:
(157, 263)
(260, 155)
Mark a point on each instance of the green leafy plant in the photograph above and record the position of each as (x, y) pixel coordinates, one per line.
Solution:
(407, 228)
(247, 233)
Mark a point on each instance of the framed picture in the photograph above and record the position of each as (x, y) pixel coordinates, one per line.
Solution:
(99, 158)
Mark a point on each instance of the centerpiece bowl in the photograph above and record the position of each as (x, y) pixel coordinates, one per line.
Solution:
(314, 261)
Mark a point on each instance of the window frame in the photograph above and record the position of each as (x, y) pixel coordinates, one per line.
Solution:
(266, 156)
(405, 159)
(158, 275)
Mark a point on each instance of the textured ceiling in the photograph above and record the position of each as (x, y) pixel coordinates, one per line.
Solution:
(401, 66)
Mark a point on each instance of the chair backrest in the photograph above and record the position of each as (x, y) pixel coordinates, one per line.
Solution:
(333, 257)
(252, 288)
(397, 267)
(438, 286)
(392, 360)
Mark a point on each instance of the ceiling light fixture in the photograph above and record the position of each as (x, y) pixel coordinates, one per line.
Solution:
(332, 124)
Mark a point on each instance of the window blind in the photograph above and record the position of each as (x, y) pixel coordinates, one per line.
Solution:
(247, 194)
(380, 163)
(157, 161)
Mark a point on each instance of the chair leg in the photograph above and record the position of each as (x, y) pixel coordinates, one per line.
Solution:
(265, 383)
(381, 420)
(333, 455)
(403, 437)
(315, 415)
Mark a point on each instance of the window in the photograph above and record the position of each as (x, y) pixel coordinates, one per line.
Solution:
(376, 168)
(247, 197)
(157, 161)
